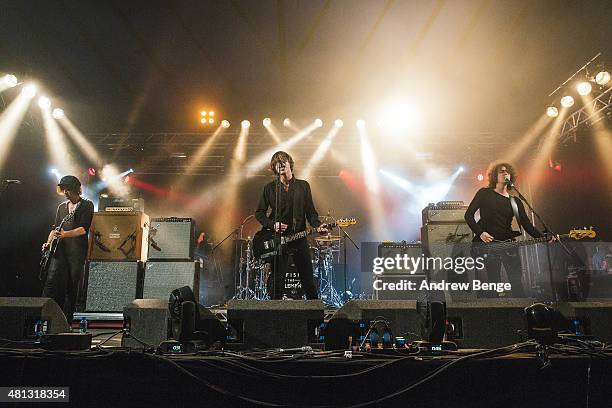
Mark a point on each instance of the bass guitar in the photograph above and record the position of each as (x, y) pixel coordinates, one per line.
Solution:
(49, 251)
(266, 245)
(482, 249)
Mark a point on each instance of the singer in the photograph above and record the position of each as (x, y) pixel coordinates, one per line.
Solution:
(295, 206)
(67, 264)
(497, 208)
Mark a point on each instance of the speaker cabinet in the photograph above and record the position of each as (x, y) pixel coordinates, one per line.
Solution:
(274, 323)
(113, 285)
(147, 320)
(19, 315)
(171, 238)
(592, 317)
(119, 236)
(161, 278)
(487, 323)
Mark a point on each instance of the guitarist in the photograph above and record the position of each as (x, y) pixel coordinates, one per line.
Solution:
(66, 265)
(295, 206)
(495, 224)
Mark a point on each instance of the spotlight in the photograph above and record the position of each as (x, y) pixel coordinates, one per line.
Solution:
(460, 169)
(211, 113)
(267, 122)
(58, 113)
(44, 102)
(541, 321)
(91, 171)
(287, 122)
(584, 88)
(318, 122)
(211, 120)
(9, 80)
(203, 113)
(245, 124)
(203, 120)
(338, 123)
(567, 101)
(480, 177)
(126, 179)
(360, 123)
(602, 78)
(29, 91)
(225, 124)
(552, 111)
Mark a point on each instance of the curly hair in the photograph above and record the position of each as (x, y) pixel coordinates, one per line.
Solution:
(493, 171)
(280, 157)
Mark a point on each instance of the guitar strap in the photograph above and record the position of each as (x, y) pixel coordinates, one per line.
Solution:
(516, 212)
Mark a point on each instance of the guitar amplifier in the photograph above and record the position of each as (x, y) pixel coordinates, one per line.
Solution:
(113, 285)
(392, 249)
(161, 278)
(440, 239)
(444, 211)
(172, 238)
(119, 236)
(119, 204)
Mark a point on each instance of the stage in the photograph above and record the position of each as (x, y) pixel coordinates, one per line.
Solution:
(107, 377)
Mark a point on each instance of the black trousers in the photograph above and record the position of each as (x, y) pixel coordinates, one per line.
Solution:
(62, 282)
(300, 252)
(514, 270)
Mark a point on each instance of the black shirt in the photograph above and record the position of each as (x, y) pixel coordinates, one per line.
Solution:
(82, 218)
(496, 215)
(295, 206)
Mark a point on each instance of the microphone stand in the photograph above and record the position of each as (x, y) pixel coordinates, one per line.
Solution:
(212, 255)
(276, 232)
(547, 231)
(345, 235)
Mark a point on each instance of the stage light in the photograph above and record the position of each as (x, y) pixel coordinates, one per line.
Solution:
(211, 120)
(360, 123)
(126, 179)
(9, 80)
(29, 91)
(203, 113)
(584, 88)
(318, 122)
(399, 116)
(203, 120)
(338, 123)
(552, 111)
(211, 113)
(225, 124)
(567, 101)
(245, 124)
(287, 122)
(57, 113)
(480, 177)
(461, 169)
(267, 122)
(602, 78)
(91, 171)
(44, 102)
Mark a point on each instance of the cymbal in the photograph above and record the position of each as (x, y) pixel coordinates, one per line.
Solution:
(329, 238)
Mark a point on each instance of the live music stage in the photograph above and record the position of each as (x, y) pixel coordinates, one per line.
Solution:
(306, 203)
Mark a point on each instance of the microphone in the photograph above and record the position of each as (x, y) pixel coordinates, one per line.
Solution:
(11, 181)
(508, 181)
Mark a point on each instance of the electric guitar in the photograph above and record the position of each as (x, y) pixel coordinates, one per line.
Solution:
(266, 245)
(49, 251)
(485, 248)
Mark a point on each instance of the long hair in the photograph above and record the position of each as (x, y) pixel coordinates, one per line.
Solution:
(493, 171)
(280, 157)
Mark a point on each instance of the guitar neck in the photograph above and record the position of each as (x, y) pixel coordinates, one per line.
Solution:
(303, 234)
(512, 244)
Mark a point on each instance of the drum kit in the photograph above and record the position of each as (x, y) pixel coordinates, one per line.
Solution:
(253, 274)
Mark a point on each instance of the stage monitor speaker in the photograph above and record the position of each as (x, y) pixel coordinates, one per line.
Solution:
(147, 321)
(487, 323)
(19, 317)
(404, 316)
(161, 278)
(171, 238)
(274, 323)
(593, 317)
(113, 285)
(119, 236)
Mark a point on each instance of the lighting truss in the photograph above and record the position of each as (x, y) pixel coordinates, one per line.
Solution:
(592, 112)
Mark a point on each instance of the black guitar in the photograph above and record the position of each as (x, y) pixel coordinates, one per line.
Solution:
(480, 248)
(49, 251)
(265, 245)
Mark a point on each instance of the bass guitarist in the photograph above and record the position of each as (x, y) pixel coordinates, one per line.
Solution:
(497, 208)
(295, 206)
(65, 267)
